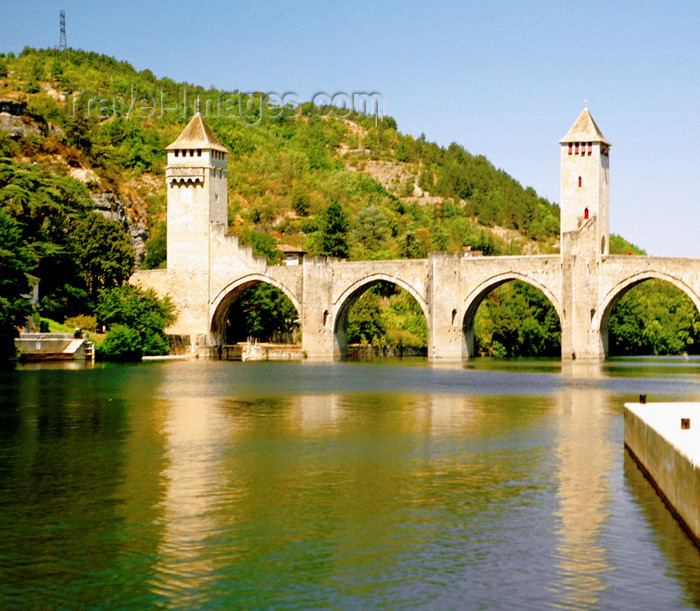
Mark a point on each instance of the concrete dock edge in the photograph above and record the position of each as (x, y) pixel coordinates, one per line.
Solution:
(664, 441)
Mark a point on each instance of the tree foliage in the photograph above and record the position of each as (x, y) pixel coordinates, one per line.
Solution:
(143, 313)
(47, 208)
(366, 323)
(122, 343)
(265, 313)
(386, 314)
(15, 263)
(516, 319)
(654, 318)
(333, 238)
(104, 254)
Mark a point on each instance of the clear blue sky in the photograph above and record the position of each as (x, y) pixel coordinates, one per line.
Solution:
(503, 79)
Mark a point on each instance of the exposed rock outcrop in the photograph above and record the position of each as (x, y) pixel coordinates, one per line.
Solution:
(120, 209)
(16, 119)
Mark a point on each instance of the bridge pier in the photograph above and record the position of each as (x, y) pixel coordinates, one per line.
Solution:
(446, 338)
(317, 316)
(580, 287)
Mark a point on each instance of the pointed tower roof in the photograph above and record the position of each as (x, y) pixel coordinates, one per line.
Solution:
(584, 129)
(197, 135)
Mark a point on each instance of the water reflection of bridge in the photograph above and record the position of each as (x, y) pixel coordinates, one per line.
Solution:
(216, 479)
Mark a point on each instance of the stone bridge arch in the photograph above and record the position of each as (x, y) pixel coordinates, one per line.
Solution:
(228, 295)
(477, 295)
(601, 319)
(349, 296)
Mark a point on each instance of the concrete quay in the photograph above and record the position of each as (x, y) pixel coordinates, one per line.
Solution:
(664, 440)
(54, 347)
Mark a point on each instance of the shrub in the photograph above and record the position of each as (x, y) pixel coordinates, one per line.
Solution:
(142, 312)
(121, 343)
(8, 147)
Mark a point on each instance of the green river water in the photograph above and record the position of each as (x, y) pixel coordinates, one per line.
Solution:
(396, 484)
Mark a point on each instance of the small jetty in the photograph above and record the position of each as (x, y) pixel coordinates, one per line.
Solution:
(664, 440)
(34, 347)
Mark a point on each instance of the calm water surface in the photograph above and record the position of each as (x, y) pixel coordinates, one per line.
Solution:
(304, 485)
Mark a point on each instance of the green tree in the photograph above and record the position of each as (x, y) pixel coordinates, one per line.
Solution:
(8, 147)
(135, 146)
(157, 246)
(47, 207)
(366, 324)
(265, 313)
(264, 245)
(122, 343)
(371, 231)
(80, 132)
(15, 263)
(140, 311)
(300, 201)
(103, 253)
(406, 324)
(334, 232)
(654, 318)
(517, 320)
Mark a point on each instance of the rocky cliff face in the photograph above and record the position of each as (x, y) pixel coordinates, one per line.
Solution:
(18, 122)
(120, 209)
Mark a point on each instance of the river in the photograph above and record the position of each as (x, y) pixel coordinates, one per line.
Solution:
(399, 484)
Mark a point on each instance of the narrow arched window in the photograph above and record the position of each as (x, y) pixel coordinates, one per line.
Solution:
(580, 182)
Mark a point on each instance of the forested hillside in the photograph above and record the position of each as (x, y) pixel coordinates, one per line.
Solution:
(329, 182)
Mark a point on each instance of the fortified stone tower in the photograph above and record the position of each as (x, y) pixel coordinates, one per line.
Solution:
(197, 195)
(585, 234)
(585, 181)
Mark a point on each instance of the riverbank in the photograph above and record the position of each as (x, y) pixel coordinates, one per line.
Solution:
(664, 440)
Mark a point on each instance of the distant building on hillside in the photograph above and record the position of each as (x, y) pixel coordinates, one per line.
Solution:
(293, 255)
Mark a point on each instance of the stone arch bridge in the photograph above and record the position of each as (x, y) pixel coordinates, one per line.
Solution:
(208, 269)
(582, 287)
